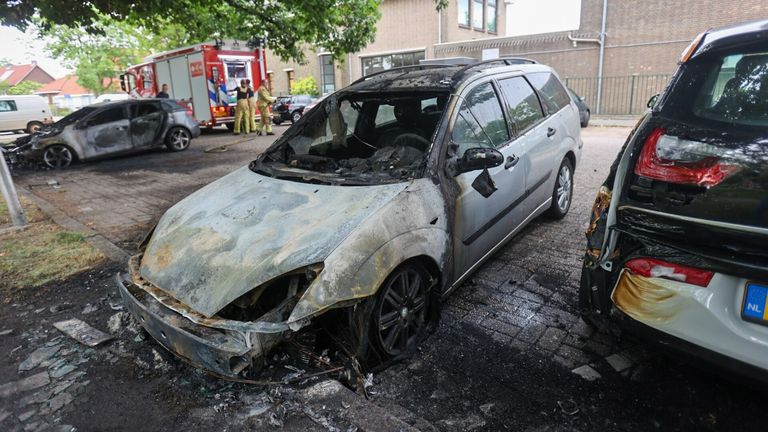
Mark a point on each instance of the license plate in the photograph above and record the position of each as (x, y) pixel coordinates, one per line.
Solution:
(754, 308)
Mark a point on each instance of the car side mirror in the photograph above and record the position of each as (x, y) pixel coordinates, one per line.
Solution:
(479, 158)
(652, 101)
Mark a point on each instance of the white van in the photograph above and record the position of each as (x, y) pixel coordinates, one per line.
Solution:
(27, 113)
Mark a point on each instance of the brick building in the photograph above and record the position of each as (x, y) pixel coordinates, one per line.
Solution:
(642, 41)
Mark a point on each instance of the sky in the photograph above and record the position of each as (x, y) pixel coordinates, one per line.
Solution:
(22, 48)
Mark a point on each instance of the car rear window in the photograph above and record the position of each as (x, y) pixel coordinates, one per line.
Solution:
(553, 94)
(732, 89)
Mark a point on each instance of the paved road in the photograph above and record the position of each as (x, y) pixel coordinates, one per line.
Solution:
(511, 352)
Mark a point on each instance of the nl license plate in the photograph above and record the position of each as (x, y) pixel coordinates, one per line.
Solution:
(755, 298)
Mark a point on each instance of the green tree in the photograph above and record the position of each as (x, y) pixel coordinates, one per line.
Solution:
(338, 26)
(24, 88)
(99, 57)
(306, 85)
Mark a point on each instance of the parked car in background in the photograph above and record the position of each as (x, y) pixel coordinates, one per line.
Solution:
(26, 113)
(382, 201)
(107, 129)
(290, 108)
(677, 245)
(584, 112)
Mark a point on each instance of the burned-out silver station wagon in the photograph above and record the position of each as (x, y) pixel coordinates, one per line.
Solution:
(380, 200)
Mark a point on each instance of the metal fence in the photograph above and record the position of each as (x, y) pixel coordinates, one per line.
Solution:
(621, 95)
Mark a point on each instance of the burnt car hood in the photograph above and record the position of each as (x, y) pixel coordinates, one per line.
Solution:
(246, 229)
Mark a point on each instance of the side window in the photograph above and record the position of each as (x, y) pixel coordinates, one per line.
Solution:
(524, 109)
(553, 95)
(109, 115)
(480, 121)
(7, 105)
(142, 109)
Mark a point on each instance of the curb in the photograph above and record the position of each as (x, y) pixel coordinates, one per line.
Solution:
(98, 241)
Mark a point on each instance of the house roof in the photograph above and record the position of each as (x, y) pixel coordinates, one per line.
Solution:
(14, 74)
(66, 86)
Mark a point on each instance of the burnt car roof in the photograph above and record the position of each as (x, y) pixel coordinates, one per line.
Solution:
(438, 77)
(725, 38)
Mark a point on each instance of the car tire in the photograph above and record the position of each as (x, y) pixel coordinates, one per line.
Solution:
(296, 116)
(58, 156)
(388, 326)
(33, 127)
(230, 126)
(562, 194)
(178, 139)
(276, 121)
(585, 122)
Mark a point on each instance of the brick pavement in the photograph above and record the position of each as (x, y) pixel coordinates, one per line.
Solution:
(121, 198)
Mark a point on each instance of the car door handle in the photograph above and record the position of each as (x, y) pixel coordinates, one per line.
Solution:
(551, 131)
(511, 161)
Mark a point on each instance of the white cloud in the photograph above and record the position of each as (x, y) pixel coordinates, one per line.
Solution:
(23, 48)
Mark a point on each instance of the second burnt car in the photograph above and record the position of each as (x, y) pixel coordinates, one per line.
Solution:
(678, 242)
(107, 129)
(378, 202)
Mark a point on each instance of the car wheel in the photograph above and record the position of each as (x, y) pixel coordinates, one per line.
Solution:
(295, 116)
(585, 122)
(178, 139)
(33, 127)
(57, 156)
(563, 191)
(276, 121)
(396, 318)
(230, 126)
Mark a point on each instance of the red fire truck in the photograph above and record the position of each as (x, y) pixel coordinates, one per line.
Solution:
(202, 77)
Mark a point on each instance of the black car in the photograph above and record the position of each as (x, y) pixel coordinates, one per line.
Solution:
(584, 111)
(290, 108)
(677, 247)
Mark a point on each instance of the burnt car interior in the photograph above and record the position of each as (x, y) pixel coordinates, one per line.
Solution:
(367, 136)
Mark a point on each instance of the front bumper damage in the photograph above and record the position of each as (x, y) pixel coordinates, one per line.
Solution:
(226, 348)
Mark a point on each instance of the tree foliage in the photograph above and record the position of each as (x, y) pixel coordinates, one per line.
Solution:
(306, 85)
(98, 57)
(338, 26)
(22, 88)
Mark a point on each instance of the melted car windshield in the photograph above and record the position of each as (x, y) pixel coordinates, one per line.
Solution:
(359, 138)
(75, 116)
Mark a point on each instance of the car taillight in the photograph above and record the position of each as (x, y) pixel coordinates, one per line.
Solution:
(651, 267)
(674, 160)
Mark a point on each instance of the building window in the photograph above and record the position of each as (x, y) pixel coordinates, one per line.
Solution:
(270, 75)
(388, 61)
(291, 80)
(328, 78)
(491, 11)
(477, 14)
(464, 12)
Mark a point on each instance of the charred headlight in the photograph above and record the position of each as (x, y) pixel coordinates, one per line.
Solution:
(272, 300)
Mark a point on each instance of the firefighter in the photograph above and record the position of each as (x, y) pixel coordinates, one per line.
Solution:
(241, 109)
(251, 106)
(263, 101)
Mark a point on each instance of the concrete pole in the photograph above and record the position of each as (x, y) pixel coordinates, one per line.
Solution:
(9, 193)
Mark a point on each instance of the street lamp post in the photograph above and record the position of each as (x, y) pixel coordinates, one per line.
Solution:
(9, 193)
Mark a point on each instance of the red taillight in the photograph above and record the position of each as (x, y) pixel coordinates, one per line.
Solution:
(650, 267)
(707, 170)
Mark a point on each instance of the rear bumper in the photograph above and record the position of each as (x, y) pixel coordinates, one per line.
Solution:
(701, 322)
(226, 353)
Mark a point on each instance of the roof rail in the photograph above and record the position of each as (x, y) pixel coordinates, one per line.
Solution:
(503, 61)
(400, 68)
